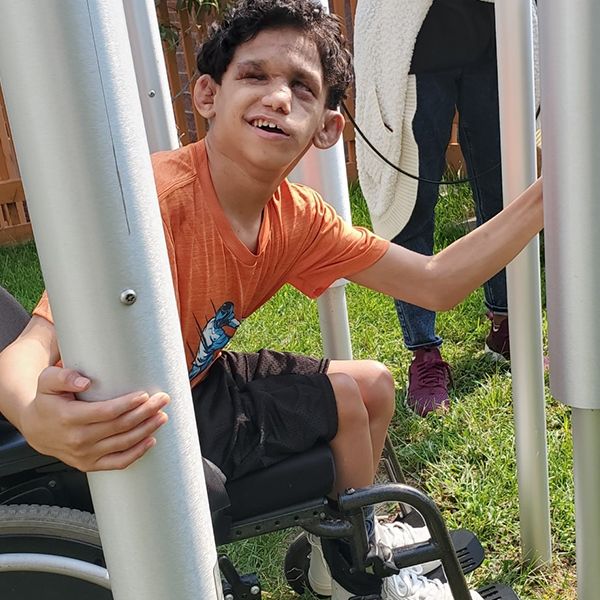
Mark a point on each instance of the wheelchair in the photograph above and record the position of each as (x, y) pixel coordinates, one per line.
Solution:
(50, 547)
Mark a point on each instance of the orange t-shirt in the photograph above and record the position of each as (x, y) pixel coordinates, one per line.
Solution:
(218, 280)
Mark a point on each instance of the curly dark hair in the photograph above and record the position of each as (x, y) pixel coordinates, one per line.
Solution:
(245, 19)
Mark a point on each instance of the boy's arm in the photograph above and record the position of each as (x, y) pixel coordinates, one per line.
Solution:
(39, 400)
(441, 281)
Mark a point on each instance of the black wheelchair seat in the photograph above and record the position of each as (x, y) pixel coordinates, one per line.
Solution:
(297, 480)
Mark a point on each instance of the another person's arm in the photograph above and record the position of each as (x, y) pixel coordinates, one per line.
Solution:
(441, 281)
(39, 399)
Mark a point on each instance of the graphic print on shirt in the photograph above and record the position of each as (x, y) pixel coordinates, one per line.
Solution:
(214, 337)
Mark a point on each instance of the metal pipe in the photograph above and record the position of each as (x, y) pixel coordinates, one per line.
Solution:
(570, 63)
(517, 132)
(325, 172)
(69, 85)
(586, 450)
(151, 74)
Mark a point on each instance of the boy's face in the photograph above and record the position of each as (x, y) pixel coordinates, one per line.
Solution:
(270, 105)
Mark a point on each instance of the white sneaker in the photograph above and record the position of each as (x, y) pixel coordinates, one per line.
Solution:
(392, 535)
(339, 593)
(398, 535)
(410, 584)
(319, 575)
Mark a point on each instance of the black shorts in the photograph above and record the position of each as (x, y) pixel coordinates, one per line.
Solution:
(254, 410)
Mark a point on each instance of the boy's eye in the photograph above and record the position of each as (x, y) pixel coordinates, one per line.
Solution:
(256, 76)
(302, 87)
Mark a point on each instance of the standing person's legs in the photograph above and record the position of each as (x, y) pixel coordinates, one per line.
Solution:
(429, 375)
(479, 136)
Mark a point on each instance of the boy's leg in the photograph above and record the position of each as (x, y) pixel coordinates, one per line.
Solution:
(254, 410)
(367, 384)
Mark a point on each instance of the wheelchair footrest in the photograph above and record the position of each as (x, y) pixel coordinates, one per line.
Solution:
(468, 549)
(469, 552)
(497, 591)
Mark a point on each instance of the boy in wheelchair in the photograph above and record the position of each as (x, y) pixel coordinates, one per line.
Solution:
(272, 73)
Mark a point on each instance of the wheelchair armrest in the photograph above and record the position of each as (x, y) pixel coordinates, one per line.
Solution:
(16, 455)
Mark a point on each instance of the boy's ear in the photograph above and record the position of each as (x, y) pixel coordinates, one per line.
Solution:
(330, 131)
(204, 96)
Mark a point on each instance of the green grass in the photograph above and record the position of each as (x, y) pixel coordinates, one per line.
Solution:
(464, 460)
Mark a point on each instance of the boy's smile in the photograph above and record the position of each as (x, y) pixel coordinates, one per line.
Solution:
(270, 105)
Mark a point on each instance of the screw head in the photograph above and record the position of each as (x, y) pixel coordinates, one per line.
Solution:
(151, 93)
(128, 297)
(255, 590)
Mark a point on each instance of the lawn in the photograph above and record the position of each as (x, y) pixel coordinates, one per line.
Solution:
(464, 460)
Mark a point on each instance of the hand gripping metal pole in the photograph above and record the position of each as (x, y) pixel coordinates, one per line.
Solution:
(570, 65)
(517, 121)
(69, 84)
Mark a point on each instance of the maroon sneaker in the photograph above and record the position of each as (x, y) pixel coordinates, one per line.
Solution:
(497, 342)
(428, 379)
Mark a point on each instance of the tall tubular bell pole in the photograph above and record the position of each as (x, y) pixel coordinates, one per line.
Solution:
(517, 126)
(325, 172)
(69, 84)
(570, 64)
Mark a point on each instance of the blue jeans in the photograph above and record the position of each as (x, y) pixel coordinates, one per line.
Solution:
(474, 91)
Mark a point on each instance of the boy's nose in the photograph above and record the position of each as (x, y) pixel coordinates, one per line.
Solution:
(279, 99)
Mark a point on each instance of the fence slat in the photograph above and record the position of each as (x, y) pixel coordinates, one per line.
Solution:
(173, 76)
(189, 53)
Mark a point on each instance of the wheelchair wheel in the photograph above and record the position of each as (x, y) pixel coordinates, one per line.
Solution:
(51, 530)
(296, 564)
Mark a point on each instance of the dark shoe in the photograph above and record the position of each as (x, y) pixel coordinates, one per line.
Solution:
(497, 342)
(428, 379)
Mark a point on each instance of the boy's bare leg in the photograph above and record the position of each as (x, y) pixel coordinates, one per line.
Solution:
(376, 387)
(364, 392)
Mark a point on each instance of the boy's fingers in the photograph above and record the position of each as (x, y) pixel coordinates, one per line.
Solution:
(121, 460)
(129, 419)
(125, 441)
(106, 411)
(54, 380)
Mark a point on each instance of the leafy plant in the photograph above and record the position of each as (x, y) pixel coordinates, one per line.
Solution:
(198, 10)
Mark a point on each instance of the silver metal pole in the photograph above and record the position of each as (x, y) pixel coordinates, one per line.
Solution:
(69, 84)
(586, 450)
(570, 63)
(325, 172)
(151, 74)
(517, 120)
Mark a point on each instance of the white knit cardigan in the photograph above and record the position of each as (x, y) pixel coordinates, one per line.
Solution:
(385, 32)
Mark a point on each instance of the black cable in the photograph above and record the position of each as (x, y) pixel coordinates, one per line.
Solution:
(416, 177)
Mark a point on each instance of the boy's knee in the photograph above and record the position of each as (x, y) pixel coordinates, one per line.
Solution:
(350, 405)
(381, 389)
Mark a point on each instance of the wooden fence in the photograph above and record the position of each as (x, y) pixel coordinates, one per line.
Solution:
(14, 220)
